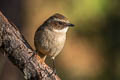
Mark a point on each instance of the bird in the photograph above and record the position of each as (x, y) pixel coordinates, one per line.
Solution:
(50, 37)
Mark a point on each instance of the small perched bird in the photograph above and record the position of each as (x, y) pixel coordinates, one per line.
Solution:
(50, 37)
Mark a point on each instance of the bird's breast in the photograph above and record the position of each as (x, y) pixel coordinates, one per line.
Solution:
(49, 42)
(56, 43)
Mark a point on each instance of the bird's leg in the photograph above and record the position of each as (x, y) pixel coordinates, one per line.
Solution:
(43, 57)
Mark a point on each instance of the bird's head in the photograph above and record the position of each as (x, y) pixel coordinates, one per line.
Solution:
(58, 23)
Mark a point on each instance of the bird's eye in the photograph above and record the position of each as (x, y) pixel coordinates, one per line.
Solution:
(60, 23)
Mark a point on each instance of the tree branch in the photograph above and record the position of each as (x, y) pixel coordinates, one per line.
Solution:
(13, 44)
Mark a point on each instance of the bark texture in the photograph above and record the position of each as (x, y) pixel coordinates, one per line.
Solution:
(14, 45)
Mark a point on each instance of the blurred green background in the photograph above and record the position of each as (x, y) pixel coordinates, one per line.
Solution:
(92, 49)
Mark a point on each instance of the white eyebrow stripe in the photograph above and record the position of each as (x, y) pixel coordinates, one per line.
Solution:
(61, 20)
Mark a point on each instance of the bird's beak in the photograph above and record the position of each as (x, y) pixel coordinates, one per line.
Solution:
(70, 25)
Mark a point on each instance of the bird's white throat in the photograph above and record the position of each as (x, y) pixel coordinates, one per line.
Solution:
(64, 30)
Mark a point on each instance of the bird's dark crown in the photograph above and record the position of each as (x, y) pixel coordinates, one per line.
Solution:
(59, 16)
